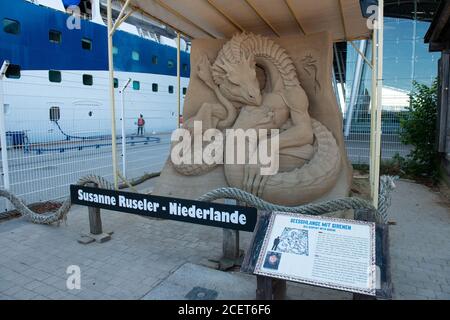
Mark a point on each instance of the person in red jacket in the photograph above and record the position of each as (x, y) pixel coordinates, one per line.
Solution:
(140, 124)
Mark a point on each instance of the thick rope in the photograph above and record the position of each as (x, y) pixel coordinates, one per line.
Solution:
(380, 215)
(387, 184)
(311, 209)
(61, 213)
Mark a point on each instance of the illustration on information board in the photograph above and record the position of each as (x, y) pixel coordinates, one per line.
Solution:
(292, 240)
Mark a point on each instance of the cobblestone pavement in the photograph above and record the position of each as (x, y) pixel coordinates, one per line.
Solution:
(143, 252)
(420, 243)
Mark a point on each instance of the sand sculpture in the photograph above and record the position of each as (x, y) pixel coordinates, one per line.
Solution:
(254, 83)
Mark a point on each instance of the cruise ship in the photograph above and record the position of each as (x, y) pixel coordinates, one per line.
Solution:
(56, 85)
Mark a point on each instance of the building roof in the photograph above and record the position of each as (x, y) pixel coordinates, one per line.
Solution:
(223, 18)
(438, 35)
(423, 10)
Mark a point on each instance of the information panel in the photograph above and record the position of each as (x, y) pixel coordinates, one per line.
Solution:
(321, 251)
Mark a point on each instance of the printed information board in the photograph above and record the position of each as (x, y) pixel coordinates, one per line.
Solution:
(198, 212)
(321, 251)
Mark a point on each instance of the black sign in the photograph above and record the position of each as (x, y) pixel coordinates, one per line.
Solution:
(205, 213)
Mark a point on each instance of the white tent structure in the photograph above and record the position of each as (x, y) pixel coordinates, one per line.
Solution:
(218, 19)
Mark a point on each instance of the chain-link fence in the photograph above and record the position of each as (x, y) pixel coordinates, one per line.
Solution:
(55, 137)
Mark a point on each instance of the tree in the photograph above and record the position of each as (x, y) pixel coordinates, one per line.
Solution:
(419, 130)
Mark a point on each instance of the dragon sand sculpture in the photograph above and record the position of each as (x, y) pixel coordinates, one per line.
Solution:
(257, 86)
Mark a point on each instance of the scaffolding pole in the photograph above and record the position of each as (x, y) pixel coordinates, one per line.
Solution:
(124, 138)
(111, 30)
(178, 81)
(373, 108)
(111, 94)
(357, 79)
(375, 144)
(3, 141)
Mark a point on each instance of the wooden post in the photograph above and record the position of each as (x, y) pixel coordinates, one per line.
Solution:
(95, 221)
(95, 225)
(270, 288)
(267, 288)
(230, 246)
(358, 296)
(231, 254)
(280, 289)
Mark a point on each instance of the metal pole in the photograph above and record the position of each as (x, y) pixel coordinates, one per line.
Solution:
(124, 138)
(336, 91)
(379, 106)
(178, 81)
(373, 107)
(341, 79)
(413, 58)
(3, 141)
(111, 92)
(355, 87)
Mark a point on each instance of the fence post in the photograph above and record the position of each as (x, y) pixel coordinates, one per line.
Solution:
(95, 226)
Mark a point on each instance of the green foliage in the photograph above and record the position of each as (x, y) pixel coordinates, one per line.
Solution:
(393, 167)
(419, 130)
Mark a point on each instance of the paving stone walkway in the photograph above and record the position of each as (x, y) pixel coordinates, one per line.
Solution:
(144, 252)
(420, 243)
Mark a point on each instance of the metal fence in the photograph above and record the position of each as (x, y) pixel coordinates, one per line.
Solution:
(406, 59)
(42, 169)
(358, 140)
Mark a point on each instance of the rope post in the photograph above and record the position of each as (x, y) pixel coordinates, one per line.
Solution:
(231, 254)
(95, 225)
(95, 221)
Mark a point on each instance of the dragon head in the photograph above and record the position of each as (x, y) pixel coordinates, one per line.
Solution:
(237, 80)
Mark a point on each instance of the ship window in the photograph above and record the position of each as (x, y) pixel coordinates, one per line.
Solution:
(54, 76)
(155, 59)
(13, 71)
(11, 26)
(154, 87)
(86, 44)
(116, 83)
(135, 55)
(88, 80)
(184, 91)
(54, 36)
(185, 67)
(55, 114)
(170, 89)
(170, 63)
(136, 85)
(115, 50)
(7, 108)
